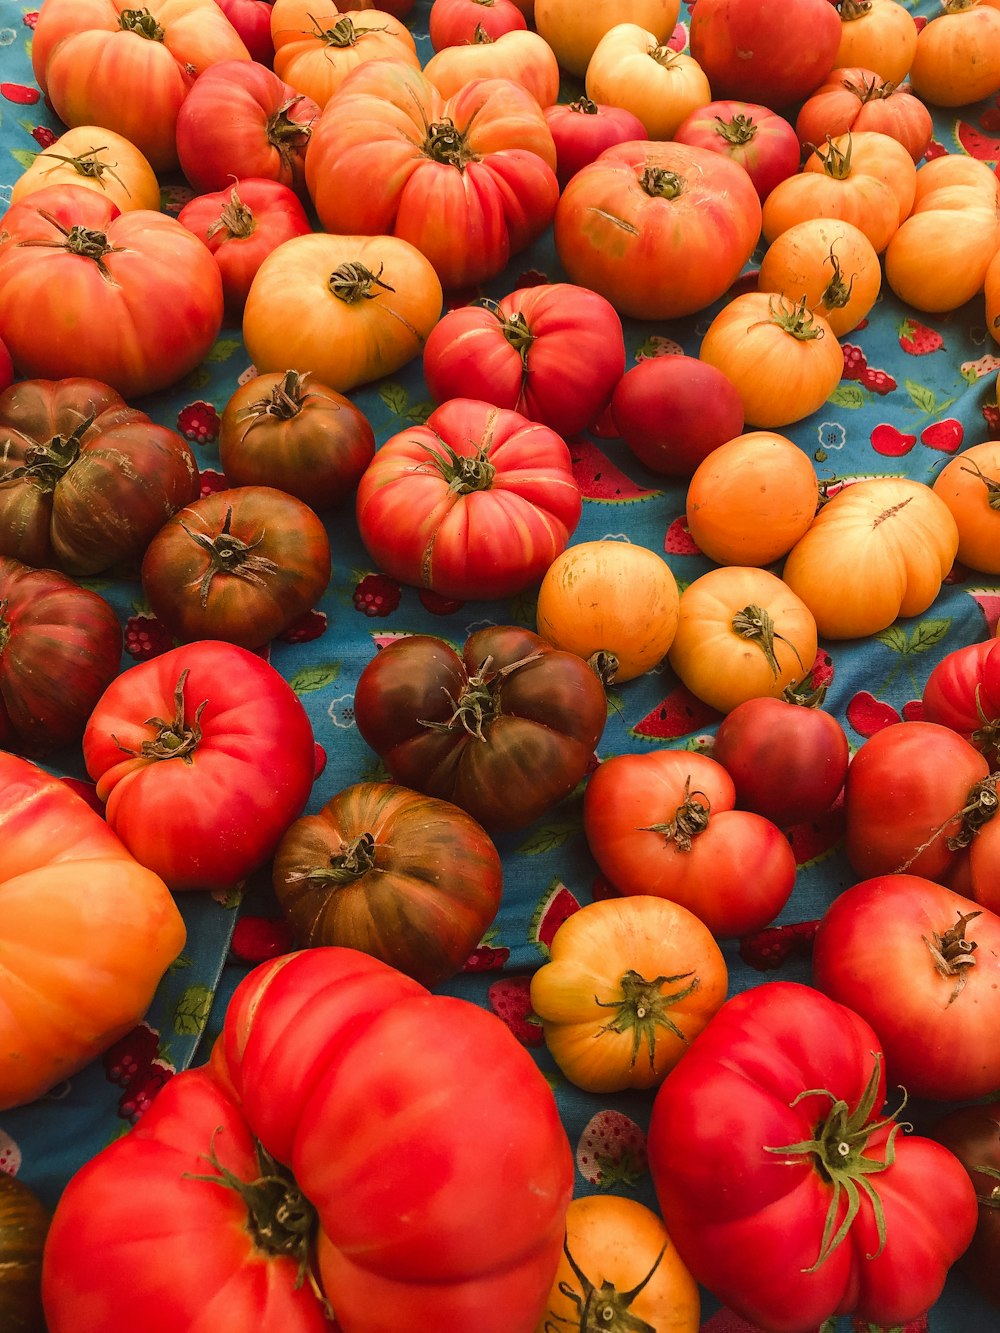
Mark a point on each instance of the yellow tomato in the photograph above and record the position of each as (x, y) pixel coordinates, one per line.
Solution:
(98, 159)
(831, 263)
(573, 31)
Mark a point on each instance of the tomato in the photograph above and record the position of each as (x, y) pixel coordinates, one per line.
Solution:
(316, 54)
(293, 433)
(203, 755)
(757, 53)
(241, 226)
(991, 285)
(252, 20)
(101, 952)
(857, 99)
(922, 965)
(788, 760)
(98, 159)
(630, 983)
(472, 470)
(742, 633)
(790, 1087)
(863, 152)
(898, 531)
(146, 293)
(831, 263)
(407, 878)
(453, 22)
(506, 730)
(523, 57)
(24, 1223)
(879, 35)
(660, 229)
(957, 58)
(6, 368)
(574, 33)
(969, 487)
(761, 141)
(618, 1259)
(417, 1223)
(660, 85)
(101, 62)
(751, 499)
(612, 602)
(86, 480)
(268, 126)
(664, 823)
(350, 308)
(972, 1133)
(672, 411)
(963, 693)
(554, 353)
(60, 647)
(469, 180)
(582, 129)
(906, 798)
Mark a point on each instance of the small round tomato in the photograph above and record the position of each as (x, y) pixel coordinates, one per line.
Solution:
(581, 130)
(969, 486)
(762, 142)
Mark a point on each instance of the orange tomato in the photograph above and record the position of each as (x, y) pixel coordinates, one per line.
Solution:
(831, 263)
(631, 982)
(314, 53)
(991, 286)
(969, 484)
(751, 499)
(783, 360)
(834, 188)
(98, 159)
(871, 154)
(521, 56)
(573, 32)
(631, 68)
(879, 35)
(613, 599)
(858, 99)
(957, 60)
(742, 633)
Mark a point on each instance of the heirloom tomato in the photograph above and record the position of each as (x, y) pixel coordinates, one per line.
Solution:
(879, 35)
(831, 263)
(660, 229)
(506, 730)
(574, 33)
(475, 503)
(761, 141)
(60, 647)
(969, 486)
(241, 120)
(203, 755)
(291, 432)
(241, 226)
(469, 180)
(520, 56)
(618, 1264)
(760, 53)
(240, 565)
(922, 965)
(252, 20)
(972, 1133)
(351, 309)
(407, 878)
(280, 1184)
(553, 352)
(139, 298)
(98, 159)
(963, 693)
(316, 52)
(24, 1223)
(790, 1087)
(86, 933)
(629, 984)
(103, 62)
(653, 80)
(454, 22)
(857, 99)
(957, 58)
(581, 131)
(85, 480)
(663, 823)
(787, 758)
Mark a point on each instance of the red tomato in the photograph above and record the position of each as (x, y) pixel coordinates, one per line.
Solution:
(855, 99)
(504, 731)
(581, 131)
(252, 20)
(762, 142)
(204, 756)
(130, 299)
(672, 411)
(398, 1220)
(662, 823)
(457, 22)
(268, 126)
(922, 965)
(6, 368)
(241, 226)
(963, 693)
(789, 1088)
(553, 352)
(476, 503)
(787, 760)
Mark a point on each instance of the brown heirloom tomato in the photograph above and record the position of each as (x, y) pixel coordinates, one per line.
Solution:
(60, 648)
(287, 430)
(85, 480)
(24, 1223)
(972, 1133)
(505, 731)
(404, 877)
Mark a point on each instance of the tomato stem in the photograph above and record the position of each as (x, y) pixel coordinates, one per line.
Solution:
(88, 165)
(229, 554)
(755, 623)
(353, 282)
(82, 241)
(479, 699)
(445, 142)
(643, 1008)
(480, 37)
(466, 472)
(284, 402)
(174, 739)
(662, 184)
(836, 161)
(604, 1307)
(236, 218)
(690, 818)
(342, 34)
(854, 9)
(285, 134)
(837, 292)
(584, 106)
(953, 953)
(351, 861)
(44, 464)
(739, 130)
(991, 483)
(142, 23)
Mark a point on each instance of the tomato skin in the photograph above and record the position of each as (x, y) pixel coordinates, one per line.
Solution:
(855, 99)
(963, 693)
(873, 952)
(581, 131)
(755, 1073)
(252, 20)
(562, 376)
(518, 486)
(100, 160)
(762, 142)
(453, 22)
(208, 822)
(544, 715)
(787, 761)
(972, 1133)
(146, 329)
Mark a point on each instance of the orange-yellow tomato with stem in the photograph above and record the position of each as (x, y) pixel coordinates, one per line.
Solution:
(630, 983)
(573, 31)
(871, 153)
(831, 263)
(633, 69)
(98, 159)
(834, 188)
(316, 56)
(957, 60)
(877, 34)
(969, 484)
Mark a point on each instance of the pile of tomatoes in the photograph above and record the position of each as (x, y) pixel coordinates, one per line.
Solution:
(363, 1151)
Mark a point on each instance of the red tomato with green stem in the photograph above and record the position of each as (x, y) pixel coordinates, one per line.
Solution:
(763, 143)
(963, 693)
(456, 22)
(554, 353)
(790, 1087)
(203, 757)
(581, 130)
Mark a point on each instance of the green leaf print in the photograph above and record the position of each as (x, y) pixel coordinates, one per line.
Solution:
(548, 838)
(923, 638)
(192, 1010)
(23, 157)
(848, 395)
(223, 349)
(395, 398)
(316, 677)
